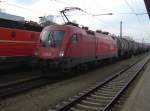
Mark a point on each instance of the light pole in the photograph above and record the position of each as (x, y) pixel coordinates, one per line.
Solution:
(120, 29)
(0, 8)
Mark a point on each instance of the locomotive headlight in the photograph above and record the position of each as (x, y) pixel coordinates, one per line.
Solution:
(61, 53)
(35, 53)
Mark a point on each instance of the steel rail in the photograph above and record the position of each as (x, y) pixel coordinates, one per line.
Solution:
(122, 80)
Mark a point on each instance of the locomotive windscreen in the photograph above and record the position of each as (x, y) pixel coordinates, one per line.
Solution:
(52, 38)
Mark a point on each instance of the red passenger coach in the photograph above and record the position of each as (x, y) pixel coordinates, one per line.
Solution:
(66, 46)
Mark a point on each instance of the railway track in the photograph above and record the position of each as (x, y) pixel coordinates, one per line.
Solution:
(19, 86)
(103, 95)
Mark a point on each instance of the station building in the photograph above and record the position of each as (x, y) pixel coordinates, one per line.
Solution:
(11, 17)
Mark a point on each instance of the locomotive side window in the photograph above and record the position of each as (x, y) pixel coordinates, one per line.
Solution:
(74, 39)
(13, 34)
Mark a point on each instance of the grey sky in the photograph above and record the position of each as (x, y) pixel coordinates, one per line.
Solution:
(136, 26)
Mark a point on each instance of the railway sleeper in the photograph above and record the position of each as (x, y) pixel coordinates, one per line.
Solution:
(106, 92)
(97, 100)
(118, 79)
(89, 103)
(114, 84)
(117, 82)
(117, 85)
(103, 94)
(121, 77)
(109, 89)
(101, 97)
(87, 108)
(102, 100)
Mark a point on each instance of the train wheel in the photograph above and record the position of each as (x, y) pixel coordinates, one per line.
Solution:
(67, 70)
(84, 67)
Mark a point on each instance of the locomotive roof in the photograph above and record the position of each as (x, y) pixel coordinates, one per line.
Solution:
(76, 27)
(24, 25)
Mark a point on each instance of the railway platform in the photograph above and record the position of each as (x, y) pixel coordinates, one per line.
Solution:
(139, 98)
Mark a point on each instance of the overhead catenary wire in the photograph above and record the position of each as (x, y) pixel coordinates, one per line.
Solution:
(92, 15)
(96, 15)
(35, 11)
(129, 6)
(133, 11)
(138, 19)
(144, 25)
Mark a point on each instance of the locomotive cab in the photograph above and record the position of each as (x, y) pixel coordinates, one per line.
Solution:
(55, 45)
(50, 43)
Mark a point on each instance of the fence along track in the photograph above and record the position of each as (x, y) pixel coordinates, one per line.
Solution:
(102, 96)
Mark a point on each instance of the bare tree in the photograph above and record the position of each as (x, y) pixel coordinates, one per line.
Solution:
(47, 20)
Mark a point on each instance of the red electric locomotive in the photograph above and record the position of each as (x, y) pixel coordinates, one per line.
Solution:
(18, 41)
(66, 46)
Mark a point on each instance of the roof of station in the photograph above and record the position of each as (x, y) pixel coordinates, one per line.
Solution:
(147, 3)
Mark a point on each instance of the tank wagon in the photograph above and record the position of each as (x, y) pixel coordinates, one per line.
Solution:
(127, 48)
